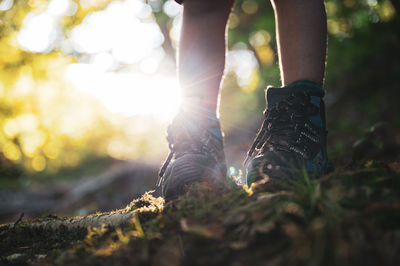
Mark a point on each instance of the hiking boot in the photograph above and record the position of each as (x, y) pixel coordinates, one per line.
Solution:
(196, 154)
(291, 142)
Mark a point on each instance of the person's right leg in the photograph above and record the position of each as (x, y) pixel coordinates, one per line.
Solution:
(195, 137)
(301, 37)
(292, 139)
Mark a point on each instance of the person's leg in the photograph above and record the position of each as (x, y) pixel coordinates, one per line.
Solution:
(194, 136)
(292, 139)
(201, 55)
(301, 37)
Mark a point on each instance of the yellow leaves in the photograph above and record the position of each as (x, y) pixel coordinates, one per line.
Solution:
(147, 203)
(24, 85)
(93, 4)
(9, 51)
(11, 128)
(84, 8)
(339, 27)
(27, 122)
(24, 129)
(386, 11)
(121, 237)
(2, 90)
(260, 41)
(250, 7)
(136, 223)
(94, 232)
(248, 190)
(92, 237)
(51, 150)
(124, 238)
(260, 38)
(45, 119)
(265, 54)
(35, 3)
(55, 64)
(46, 124)
(234, 21)
(11, 151)
(38, 163)
(31, 142)
(102, 246)
(331, 8)
(253, 82)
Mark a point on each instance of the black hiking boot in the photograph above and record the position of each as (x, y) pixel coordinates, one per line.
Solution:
(291, 142)
(196, 156)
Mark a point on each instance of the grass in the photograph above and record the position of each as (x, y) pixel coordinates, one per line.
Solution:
(346, 218)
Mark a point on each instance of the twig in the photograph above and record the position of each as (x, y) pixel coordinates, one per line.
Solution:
(18, 220)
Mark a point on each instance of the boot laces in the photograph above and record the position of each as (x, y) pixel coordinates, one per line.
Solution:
(287, 127)
(182, 142)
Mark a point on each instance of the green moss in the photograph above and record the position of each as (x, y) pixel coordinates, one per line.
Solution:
(34, 241)
(345, 218)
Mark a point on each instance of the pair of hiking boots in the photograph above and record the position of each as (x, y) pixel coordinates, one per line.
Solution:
(290, 143)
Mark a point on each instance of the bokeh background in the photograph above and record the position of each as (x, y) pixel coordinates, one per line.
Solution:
(87, 88)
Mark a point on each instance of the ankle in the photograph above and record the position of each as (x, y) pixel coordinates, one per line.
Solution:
(311, 88)
(196, 116)
(197, 107)
(308, 84)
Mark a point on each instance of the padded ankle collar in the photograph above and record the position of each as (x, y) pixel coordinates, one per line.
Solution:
(273, 95)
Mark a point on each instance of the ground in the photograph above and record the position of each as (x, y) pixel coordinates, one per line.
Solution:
(349, 217)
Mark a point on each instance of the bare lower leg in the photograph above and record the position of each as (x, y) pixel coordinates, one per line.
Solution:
(301, 36)
(202, 49)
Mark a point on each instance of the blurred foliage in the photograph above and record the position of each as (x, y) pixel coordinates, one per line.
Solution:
(46, 124)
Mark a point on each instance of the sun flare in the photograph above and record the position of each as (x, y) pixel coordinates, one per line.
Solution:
(128, 93)
(118, 53)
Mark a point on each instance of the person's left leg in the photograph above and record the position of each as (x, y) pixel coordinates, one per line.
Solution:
(195, 137)
(202, 49)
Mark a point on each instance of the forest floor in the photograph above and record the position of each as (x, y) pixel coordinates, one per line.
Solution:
(349, 217)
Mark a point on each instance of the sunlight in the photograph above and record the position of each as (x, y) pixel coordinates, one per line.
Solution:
(243, 63)
(128, 93)
(6, 5)
(118, 50)
(122, 35)
(40, 31)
